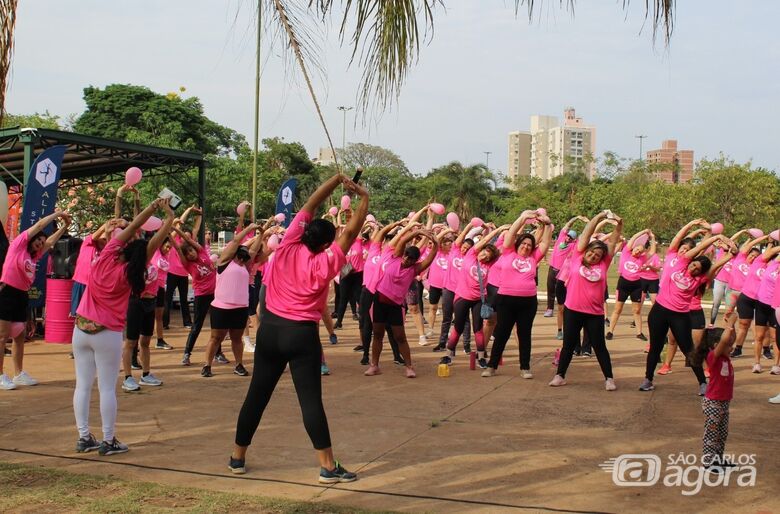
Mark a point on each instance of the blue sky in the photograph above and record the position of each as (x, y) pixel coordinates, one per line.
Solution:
(483, 75)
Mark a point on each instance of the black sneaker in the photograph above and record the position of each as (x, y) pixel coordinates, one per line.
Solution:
(240, 370)
(337, 326)
(237, 466)
(633, 324)
(336, 475)
(358, 348)
(188, 325)
(7, 351)
(112, 448)
(768, 353)
(641, 337)
(162, 345)
(356, 317)
(737, 352)
(577, 354)
(586, 354)
(87, 444)
(439, 348)
(446, 360)
(482, 363)
(70, 355)
(364, 361)
(399, 361)
(220, 357)
(135, 364)
(206, 372)
(467, 348)
(609, 336)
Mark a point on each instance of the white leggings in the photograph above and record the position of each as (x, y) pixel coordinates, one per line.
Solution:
(99, 354)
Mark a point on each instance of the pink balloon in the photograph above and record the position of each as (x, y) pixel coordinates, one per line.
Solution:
(453, 221)
(152, 224)
(775, 234)
(437, 208)
(371, 218)
(476, 222)
(273, 242)
(241, 208)
(133, 176)
(542, 211)
(717, 228)
(333, 210)
(755, 233)
(280, 217)
(641, 240)
(345, 202)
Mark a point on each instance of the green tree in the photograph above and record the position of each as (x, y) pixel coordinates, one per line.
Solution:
(370, 156)
(467, 190)
(43, 120)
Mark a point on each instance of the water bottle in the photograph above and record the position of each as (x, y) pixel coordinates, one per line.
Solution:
(473, 361)
(443, 371)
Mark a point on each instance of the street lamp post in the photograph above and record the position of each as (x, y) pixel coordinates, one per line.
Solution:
(640, 138)
(344, 110)
(487, 159)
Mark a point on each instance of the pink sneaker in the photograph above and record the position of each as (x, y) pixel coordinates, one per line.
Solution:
(665, 370)
(372, 371)
(557, 357)
(410, 372)
(610, 385)
(557, 381)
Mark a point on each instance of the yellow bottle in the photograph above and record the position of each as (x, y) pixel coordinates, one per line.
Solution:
(443, 370)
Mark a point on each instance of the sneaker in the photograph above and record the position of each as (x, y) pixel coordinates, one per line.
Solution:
(130, 385)
(185, 361)
(150, 380)
(767, 352)
(548, 313)
(559, 335)
(135, 364)
(6, 383)
(246, 340)
(372, 371)
(337, 326)
(334, 339)
(358, 348)
(737, 352)
(237, 466)
(756, 369)
(399, 361)
(587, 354)
(220, 357)
(606, 322)
(775, 370)
(633, 324)
(609, 385)
(641, 337)
(7, 351)
(609, 336)
(205, 372)
(240, 370)
(23, 379)
(665, 369)
(324, 370)
(410, 372)
(446, 360)
(557, 357)
(775, 399)
(526, 373)
(439, 348)
(557, 381)
(429, 333)
(647, 385)
(489, 372)
(186, 325)
(702, 389)
(70, 355)
(336, 475)
(355, 317)
(467, 348)
(162, 345)
(87, 444)
(482, 363)
(364, 361)
(249, 348)
(423, 341)
(112, 448)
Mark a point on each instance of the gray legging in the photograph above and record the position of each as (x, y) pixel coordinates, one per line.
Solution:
(718, 294)
(447, 303)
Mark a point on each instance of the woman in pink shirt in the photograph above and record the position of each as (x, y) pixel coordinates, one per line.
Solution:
(561, 249)
(399, 271)
(584, 308)
(437, 273)
(100, 319)
(517, 301)
(88, 254)
(21, 263)
(454, 268)
(766, 275)
(177, 272)
(162, 263)
(740, 269)
(296, 293)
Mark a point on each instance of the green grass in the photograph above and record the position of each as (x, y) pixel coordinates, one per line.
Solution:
(37, 489)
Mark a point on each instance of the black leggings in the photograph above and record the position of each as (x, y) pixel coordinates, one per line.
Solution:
(349, 292)
(514, 312)
(367, 326)
(182, 283)
(659, 322)
(447, 299)
(573, 323)
(202, 304)
(462, 308)
(281, 341)
(552, 278)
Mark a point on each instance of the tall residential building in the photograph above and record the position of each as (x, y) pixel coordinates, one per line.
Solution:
(325, 157)
(678, 164)
(519, 164)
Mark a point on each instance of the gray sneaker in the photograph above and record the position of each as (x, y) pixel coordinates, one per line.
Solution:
(130, 385)
(220, 357)
(112, 448)
(151, 380)
(647, 385)
(87, 444)
(702, 389)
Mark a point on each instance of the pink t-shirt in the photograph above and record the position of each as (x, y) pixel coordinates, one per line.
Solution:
(232, 291)
(766, 291)
(395, 280)
(725, 271)
(437, 273)
(162, 262)
(561, 250)
(753, 280)
(371, 268)
(678, 286)
(649, 274)
(297, 288)
(519, 273)
(355, 255)
(721, 384)
(175, 265)
(19, 267)
(563, 274)
(108, 291)
(454, 269)
(151, 279)
(630, 266)
(739, 272)
(88, 255)
(586, 284)
(468, 284)
(204, 276)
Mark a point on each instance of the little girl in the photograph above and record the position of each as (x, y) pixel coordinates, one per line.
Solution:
(716, 345)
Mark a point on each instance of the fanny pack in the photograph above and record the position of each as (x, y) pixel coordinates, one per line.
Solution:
(88, 326)
(485, 311)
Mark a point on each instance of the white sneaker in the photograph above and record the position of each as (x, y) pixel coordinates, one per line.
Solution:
(249, 346)
(6, 383)
(423, 341)
(23, 379)
(246, 340)
(526, 373)
(775, 399)
(151, 380)
(756, 368)
(429, 333)
(130, 385)
(610, 385)
(557, 381)
(775, 370)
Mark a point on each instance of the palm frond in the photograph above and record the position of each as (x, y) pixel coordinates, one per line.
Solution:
(7, 23)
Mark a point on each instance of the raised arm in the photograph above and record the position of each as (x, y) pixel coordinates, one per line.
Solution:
(352, 229)
(675, 244)
(722, 348)
(118, 200)
(187, 239)
(703, 245)
(750, 243)
(489, 237)
(726, 257)
(380, 234)
(546, 237)
(400, 246)
(653, 246)
(157, 240)
(636, 236)
(52, 239)
(590, 229)
(614, 237)
(322, 193)
(232, 247)
(426, 263)
(135, 225)
(240, 221)
(44, 222)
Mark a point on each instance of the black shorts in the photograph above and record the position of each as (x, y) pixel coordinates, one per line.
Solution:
(13, 304)
(228, 319)
(140, 317)
(650, 286)
(746, 307)
(254, 298)
(560, 292)
(160, 300)
(388, 314)
(413, 293)
(765, 315)
(492, 294)
(629, 289)
(697, 319)
(434, 295)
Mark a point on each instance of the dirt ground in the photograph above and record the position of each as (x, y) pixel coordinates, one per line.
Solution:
(457, 444)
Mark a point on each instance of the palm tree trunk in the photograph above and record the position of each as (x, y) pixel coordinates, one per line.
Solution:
(7, 22)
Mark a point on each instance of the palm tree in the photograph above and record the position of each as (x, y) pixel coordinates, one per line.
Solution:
(466, 190)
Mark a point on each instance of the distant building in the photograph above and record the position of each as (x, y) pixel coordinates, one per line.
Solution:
(519, 164)
(679, 163)
(325, 157)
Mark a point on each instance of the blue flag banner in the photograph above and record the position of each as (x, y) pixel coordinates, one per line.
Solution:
(284, 200)
(40, 198)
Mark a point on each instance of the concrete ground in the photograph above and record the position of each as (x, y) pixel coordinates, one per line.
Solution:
(457, 444)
